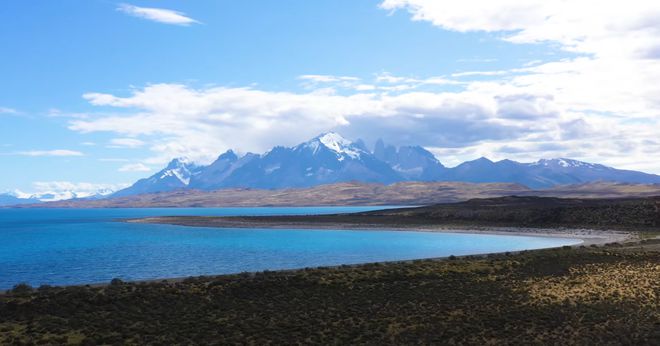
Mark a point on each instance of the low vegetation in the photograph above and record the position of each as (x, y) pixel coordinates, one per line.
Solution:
(627, 214)
(589, 295)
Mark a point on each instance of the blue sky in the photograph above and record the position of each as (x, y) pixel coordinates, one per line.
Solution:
(99, 93)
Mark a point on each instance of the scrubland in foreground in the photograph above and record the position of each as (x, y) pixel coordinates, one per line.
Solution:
(592, 295)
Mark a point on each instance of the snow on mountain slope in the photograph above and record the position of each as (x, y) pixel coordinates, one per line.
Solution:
(176, 175)
(325, 159)
(342, 147)
(331, 158)
(565, 163)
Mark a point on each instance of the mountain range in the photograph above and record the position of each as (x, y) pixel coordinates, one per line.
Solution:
(20, 198)
(331, 158)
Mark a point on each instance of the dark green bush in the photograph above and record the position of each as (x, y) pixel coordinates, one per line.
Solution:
(22, 288)
(116, 282)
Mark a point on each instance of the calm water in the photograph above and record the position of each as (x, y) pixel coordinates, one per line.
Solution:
(78, 246)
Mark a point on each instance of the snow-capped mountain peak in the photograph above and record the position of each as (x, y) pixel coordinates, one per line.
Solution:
(180, 162)
(336, 143)
(331, 158)
(181, 168)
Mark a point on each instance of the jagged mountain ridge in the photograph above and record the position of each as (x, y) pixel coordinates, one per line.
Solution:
(330, 158)
(177, 175)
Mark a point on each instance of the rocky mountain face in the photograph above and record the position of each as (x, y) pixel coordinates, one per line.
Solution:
(544, 173)
(177, 175)
(410, 162)
(331, 158)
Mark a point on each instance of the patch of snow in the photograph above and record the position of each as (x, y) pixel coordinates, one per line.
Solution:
(415, 170)
(566, 163)
(271, 169)
(180, 168)
(180, 173)
(313, 145)
(563, 163)
(340, 145)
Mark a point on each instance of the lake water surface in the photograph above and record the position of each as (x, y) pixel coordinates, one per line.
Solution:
(80, 246)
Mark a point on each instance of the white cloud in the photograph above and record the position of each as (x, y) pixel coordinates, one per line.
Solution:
(616, 70)
(159, 15)
(328, 78)
(60, 190)
(599, 105)
(56, 152)
(57, 113)
(6, 110)
(402, 83)
(125, 143)
(610, 88)
(381, 82)
(586, 26)
(200, 123)
(480, 73)
(134, 167)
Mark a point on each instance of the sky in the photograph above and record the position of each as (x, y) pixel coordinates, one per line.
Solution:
(97, 93)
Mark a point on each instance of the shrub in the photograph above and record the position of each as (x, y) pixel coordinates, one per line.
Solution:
(116, 282)
(22, 288)
(44, 288)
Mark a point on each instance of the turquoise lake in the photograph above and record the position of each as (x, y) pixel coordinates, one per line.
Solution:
(85, 246)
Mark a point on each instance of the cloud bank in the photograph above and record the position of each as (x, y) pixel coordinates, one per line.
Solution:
(7, 110)
(599, 105)
(59, 190)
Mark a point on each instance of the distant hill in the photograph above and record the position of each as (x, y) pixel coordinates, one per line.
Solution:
(356, 193)
(532, 211)
(631, 214)
(11, 199)
(331, 158)
(18, 198)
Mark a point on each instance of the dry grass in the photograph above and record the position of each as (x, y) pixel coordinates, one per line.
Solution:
(591, 283)
(559, 296)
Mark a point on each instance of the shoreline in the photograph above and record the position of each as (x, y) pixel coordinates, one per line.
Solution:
(587, 235)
